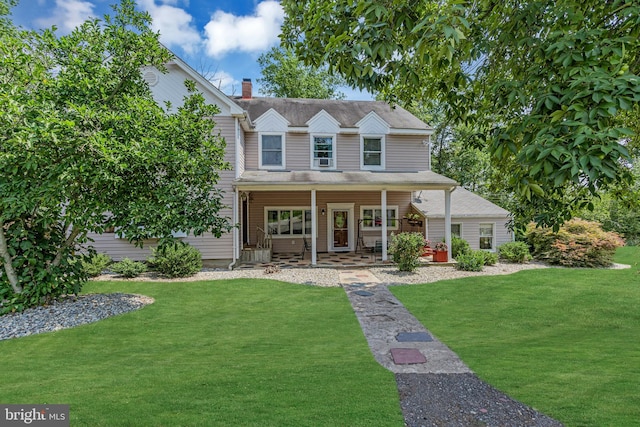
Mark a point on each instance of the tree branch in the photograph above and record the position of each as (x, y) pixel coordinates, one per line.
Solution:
(67, 243)
(8, 267)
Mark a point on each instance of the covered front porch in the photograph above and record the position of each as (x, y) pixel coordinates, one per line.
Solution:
(333, 218)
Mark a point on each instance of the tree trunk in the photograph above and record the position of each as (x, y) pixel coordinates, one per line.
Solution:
(6, 258)
(68, 242)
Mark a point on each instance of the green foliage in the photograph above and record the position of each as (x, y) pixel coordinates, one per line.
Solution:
(406, 249)
(285, 76)
(514, 252)
(471, 261)
(490, 258)
(559, 88)
(81, 135)
(128, 268)
(176, 260)
(578, 243)
(95, 264)
(459, 247)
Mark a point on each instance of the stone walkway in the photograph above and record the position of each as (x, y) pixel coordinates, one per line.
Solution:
(398, 341)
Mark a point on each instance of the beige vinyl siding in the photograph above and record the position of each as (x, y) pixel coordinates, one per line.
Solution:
(259, 200)
(348, 152)
(298, 151)
(471, 230)
(406, 153)
(402, 153)
(210, 246)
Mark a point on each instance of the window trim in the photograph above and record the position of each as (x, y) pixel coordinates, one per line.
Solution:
(382, 152)
(493, 235)
(290, 209)
(334, 151)
(379, 228)
(283, 149)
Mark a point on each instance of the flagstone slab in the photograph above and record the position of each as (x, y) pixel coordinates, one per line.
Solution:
(407, 356)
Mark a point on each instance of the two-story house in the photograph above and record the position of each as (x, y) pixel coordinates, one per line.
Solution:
(334, 174)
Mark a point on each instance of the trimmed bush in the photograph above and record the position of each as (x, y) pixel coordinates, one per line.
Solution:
(95, 264)
(578, 243)
(517, 252)
(128, 268)
(471, 261)
(459, 246)
(176, 260)
(406, 249)
(490, 258)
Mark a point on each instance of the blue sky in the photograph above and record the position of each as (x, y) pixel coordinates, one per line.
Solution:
(222, 39)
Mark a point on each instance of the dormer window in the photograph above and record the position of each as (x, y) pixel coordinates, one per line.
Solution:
(372, 152)
(324, 152)
(272, 151)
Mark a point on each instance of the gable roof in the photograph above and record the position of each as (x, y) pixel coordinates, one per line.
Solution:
(464, 203)
(299, 111)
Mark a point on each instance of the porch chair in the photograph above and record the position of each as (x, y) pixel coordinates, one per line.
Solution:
(305, 246)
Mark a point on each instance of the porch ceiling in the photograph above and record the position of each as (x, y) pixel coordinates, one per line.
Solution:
(342, 181)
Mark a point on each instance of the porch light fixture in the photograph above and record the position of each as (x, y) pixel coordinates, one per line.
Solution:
(322, 211)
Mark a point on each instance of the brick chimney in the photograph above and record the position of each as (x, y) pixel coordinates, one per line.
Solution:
(247, 88)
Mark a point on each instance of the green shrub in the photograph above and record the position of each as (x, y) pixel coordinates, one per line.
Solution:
(406, 249)
(128, 268)
(459, 246)
(490, 258)
(578, 243)
(471, 261)
(515, 252)
(176, 260)
(95, 264)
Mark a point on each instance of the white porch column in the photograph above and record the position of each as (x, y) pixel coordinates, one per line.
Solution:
(314, 228)
(447, 221)
(383, 202)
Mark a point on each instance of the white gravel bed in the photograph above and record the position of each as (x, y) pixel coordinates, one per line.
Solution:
(329, 277)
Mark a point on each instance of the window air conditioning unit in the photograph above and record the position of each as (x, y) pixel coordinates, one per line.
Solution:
(324, 162)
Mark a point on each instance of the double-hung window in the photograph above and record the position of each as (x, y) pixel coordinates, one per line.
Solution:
(371, 217)
(486, 236)
(372, 152)
(272, 153)
(324, 151)
(288, 221)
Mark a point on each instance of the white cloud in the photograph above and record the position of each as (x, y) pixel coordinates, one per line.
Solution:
(174, 24)
(227, 33)
(225, 82)
(67, 15)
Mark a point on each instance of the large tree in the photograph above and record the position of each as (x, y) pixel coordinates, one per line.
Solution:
(84, 147)
(545, 81)
(286, 76)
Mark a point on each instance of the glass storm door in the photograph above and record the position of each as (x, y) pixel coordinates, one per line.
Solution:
(340, 229)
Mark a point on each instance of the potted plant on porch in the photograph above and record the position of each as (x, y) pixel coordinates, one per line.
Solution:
(414, 219)
(426, 249)
(441, 252)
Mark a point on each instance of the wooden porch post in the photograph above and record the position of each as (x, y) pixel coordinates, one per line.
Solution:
(447, 221)
(314, 228)
(383, 202)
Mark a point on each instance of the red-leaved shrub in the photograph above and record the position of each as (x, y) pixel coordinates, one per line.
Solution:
(578, 243)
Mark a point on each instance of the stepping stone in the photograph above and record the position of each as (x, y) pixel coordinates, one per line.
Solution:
(407, 356)
(363, 293)
(413, 337)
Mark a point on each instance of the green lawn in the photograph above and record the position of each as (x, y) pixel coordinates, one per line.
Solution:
(241, 353)
(564, 341)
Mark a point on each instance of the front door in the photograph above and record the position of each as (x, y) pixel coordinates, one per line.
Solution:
(340, 228)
